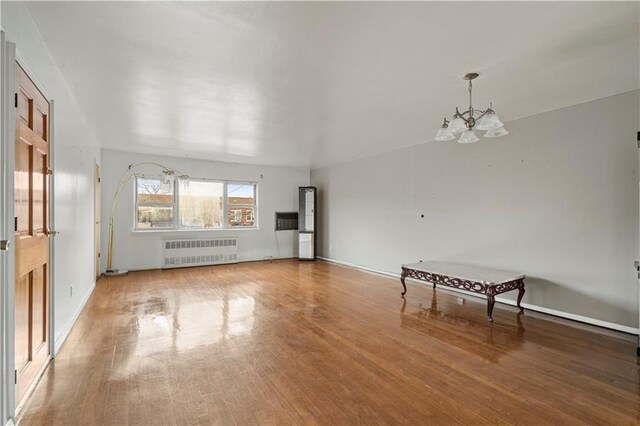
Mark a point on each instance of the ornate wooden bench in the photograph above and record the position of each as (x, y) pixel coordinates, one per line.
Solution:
(489, 282)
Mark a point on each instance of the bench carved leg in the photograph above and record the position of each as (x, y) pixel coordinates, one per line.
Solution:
(491, 301)
(404, 286)
(520, 296)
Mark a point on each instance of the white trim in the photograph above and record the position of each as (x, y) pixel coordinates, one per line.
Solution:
(97, 181)
(541, 309)
(7, 264)
(5, 376)
(10, 423)
(364, 268)
(64, 333)
(225, 203)
(194, 230)
(52, 225)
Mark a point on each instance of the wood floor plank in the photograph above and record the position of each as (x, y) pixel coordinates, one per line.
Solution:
(290, 342)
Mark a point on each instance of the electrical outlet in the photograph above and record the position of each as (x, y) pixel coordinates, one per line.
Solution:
(71, 290)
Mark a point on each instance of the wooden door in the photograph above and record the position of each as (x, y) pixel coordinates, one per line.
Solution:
(96, 216)
(31, 233)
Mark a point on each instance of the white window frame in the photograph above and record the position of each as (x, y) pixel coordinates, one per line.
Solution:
(254, 205)
(177, 226)
(176, 206)
(136, 204)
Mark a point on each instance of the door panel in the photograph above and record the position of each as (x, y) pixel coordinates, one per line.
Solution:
(39, 176)
(23, 288)
(22, 190)
(39, 306)
(31, 236)
(40, 122)
(25, 106)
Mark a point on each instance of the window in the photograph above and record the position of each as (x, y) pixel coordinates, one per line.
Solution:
(154, 203)
(201, 204)
(241, 205)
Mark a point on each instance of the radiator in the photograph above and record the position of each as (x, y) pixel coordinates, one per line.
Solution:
(208, 251)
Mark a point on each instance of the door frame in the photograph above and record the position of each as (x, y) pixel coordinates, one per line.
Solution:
(7, 258)
(10, 56)
(97, 234)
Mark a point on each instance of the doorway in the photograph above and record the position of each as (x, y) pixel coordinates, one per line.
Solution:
(96, 217)
(31, 233)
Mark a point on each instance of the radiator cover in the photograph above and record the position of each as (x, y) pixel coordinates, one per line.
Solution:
(199, 252)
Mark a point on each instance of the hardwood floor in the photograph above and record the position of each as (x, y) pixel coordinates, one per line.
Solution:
(290, 342)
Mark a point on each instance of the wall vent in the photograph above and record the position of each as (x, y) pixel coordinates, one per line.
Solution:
(209, 251)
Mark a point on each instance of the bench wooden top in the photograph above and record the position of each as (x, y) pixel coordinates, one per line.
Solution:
(466, 272)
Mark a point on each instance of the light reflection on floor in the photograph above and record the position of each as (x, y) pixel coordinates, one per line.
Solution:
(192, 324)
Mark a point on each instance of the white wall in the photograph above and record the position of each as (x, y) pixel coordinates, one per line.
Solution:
(556, 199)
(277, 191)
(74, 151)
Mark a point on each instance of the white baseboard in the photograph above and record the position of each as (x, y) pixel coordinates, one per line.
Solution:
(541, 309)
(67, 329)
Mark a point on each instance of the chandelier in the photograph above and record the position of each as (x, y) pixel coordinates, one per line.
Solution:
(464, 123)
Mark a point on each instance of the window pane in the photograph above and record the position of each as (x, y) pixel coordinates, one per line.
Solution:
(155, 217)
(241, 194)
(151, 190)
(241, 216)
(201, 204)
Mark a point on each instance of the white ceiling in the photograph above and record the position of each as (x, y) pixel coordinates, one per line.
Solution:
(313, 84)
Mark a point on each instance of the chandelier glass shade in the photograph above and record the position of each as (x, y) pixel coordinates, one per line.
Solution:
(457, 125)
(464, 123)
(489, 121)
(495, 133)
(469, 136)
(445, 134)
